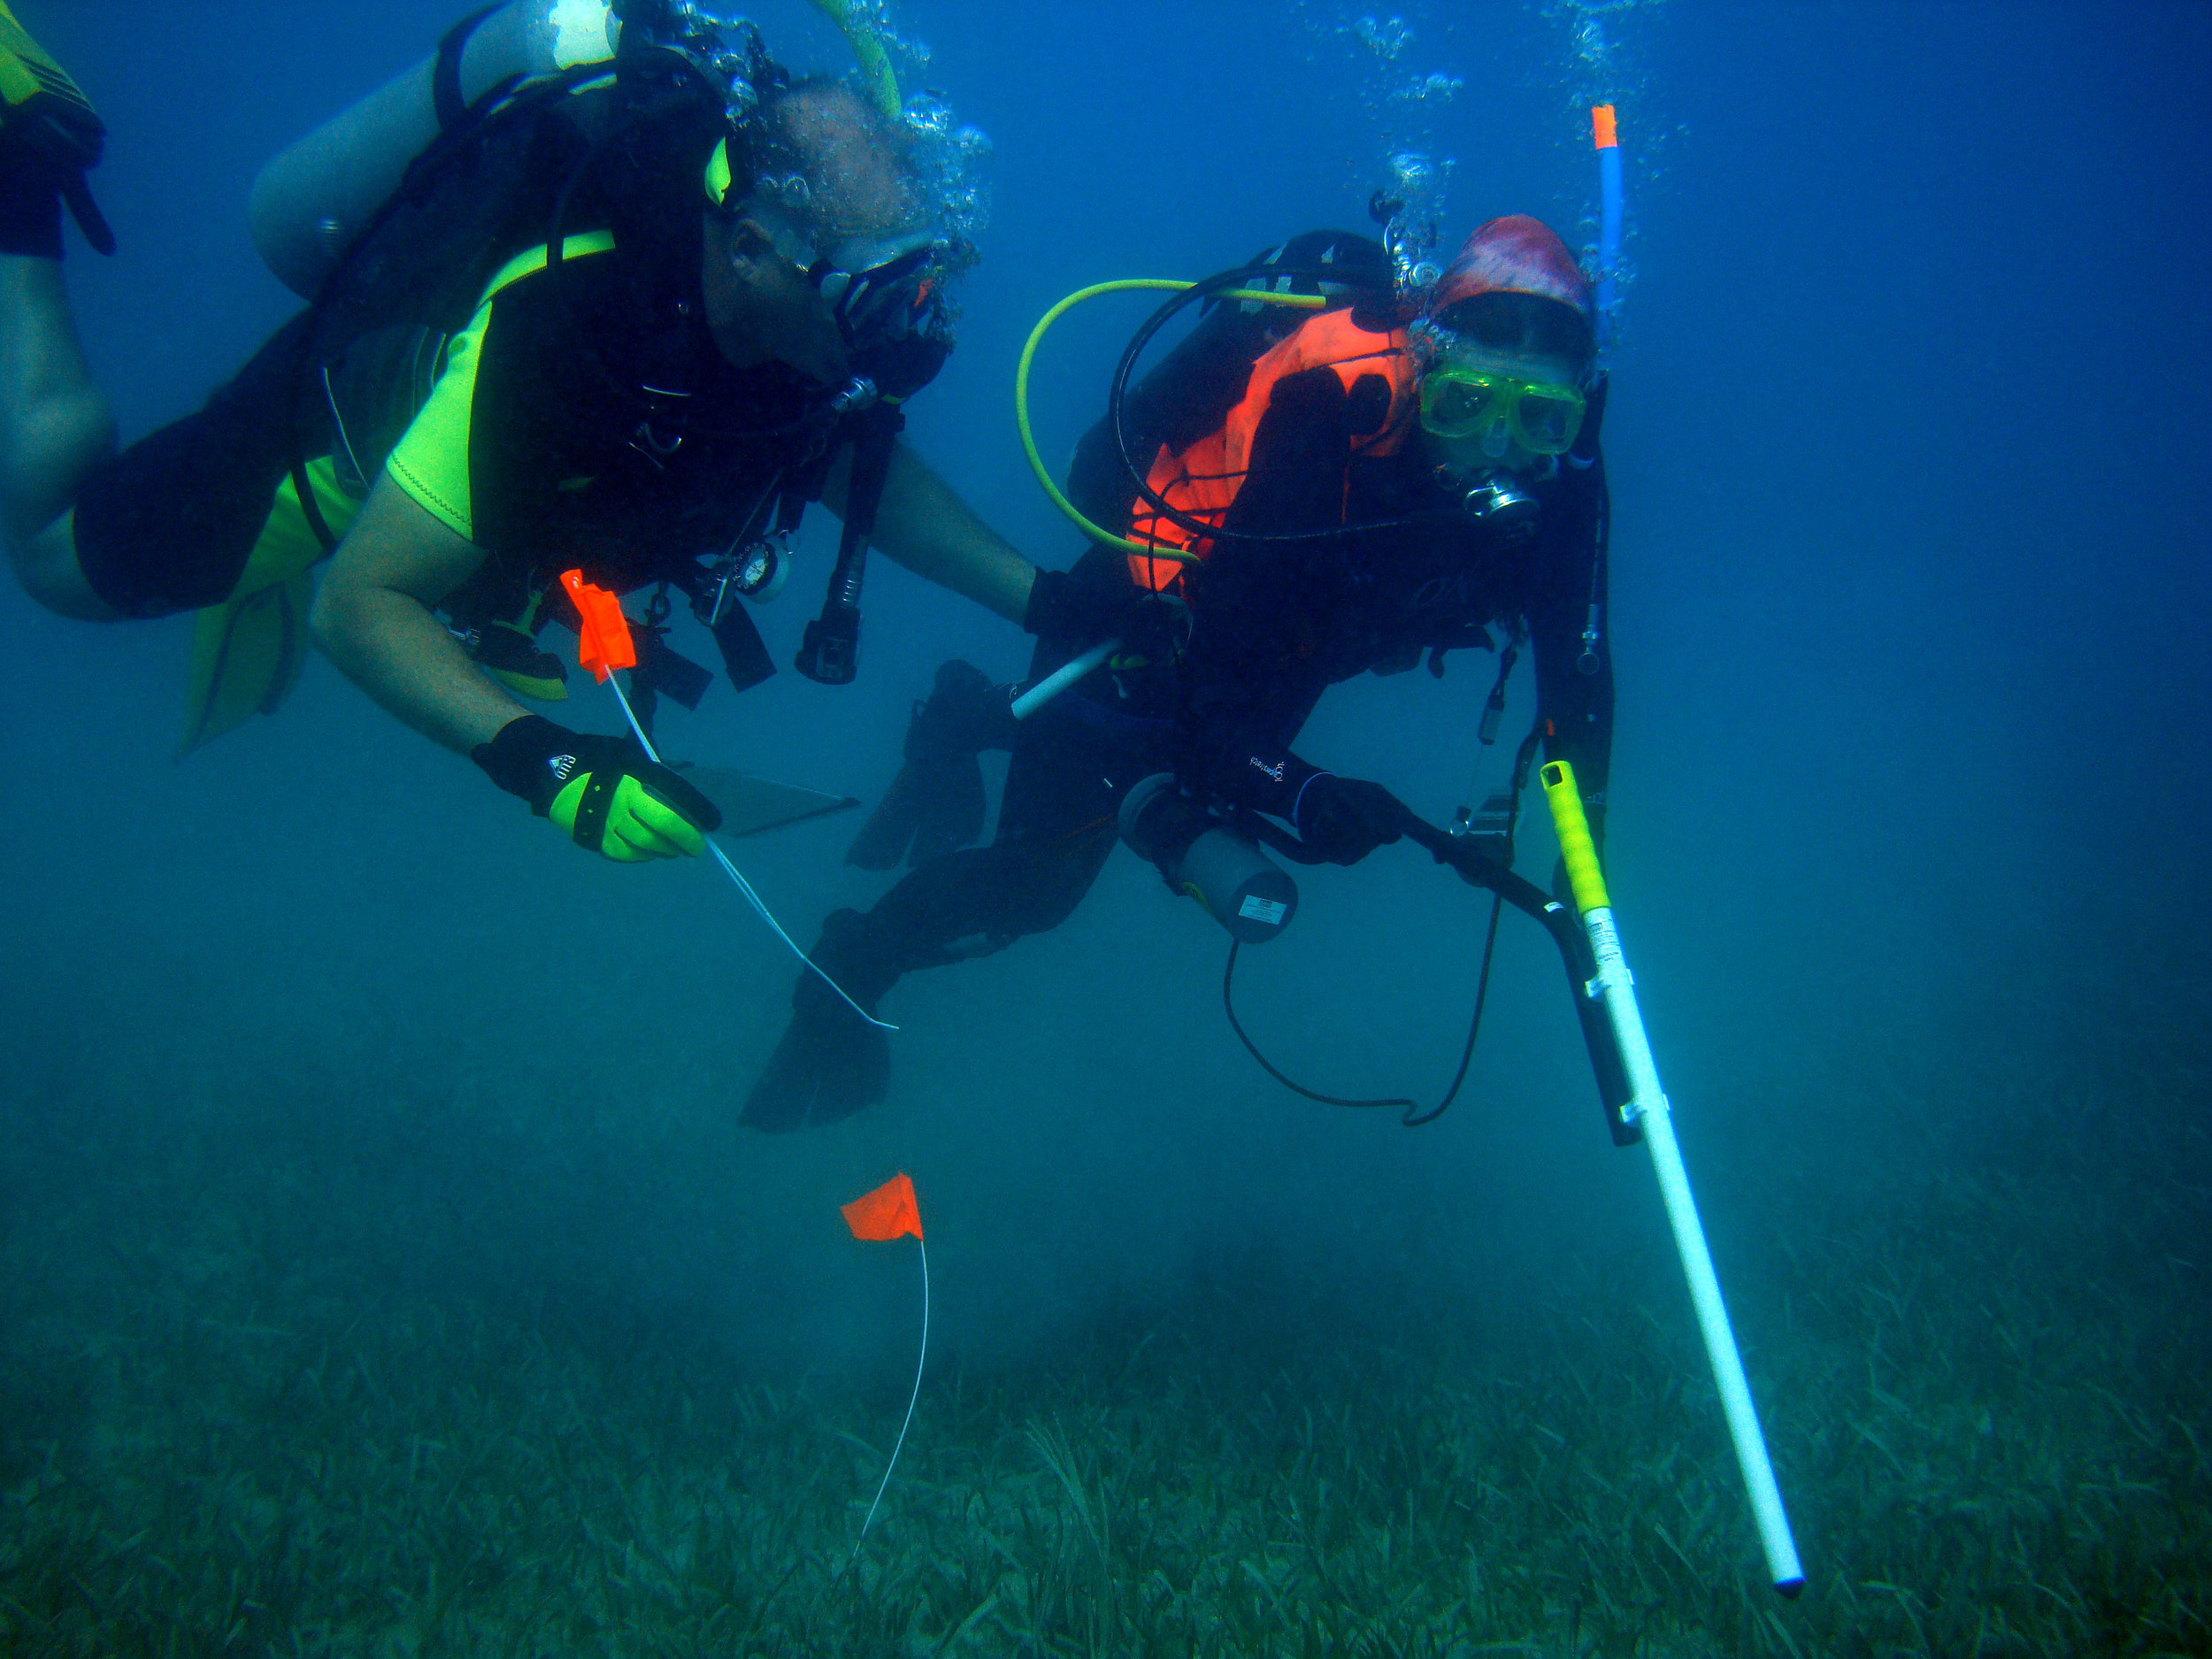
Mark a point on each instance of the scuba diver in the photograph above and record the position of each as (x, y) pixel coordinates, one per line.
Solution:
(1309, 496)
(595, 287)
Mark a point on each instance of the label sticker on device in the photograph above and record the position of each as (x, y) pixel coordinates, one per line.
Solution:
(1255, 909)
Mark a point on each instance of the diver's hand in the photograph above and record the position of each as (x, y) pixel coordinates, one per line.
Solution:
(1064, 606)
(1344, 819)
(604, 791)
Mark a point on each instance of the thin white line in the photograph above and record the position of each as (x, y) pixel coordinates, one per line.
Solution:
(912, 1398)
(743, 886)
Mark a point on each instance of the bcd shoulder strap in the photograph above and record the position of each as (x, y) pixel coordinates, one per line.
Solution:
(445, 74)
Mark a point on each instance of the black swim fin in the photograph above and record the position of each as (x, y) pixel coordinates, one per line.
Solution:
(830, 1062)
(935, 805)
(49, 126)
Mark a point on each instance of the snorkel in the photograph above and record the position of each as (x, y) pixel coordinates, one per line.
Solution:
(1605, 135)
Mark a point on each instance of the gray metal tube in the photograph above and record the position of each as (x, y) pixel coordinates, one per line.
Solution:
(1236, 884)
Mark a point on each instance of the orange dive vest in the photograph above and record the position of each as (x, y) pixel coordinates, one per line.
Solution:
(1202, 480)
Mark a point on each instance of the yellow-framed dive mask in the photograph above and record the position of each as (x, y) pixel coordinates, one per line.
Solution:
(1542, 417)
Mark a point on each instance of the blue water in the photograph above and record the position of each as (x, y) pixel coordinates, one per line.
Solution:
(1910, 564)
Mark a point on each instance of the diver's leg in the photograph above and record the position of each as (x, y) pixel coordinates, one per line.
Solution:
(1058, 827)
(1055, 829)
(312, 197)
(55, 428)
(55, 423)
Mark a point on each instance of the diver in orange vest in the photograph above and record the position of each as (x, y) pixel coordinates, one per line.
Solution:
(1347, 490)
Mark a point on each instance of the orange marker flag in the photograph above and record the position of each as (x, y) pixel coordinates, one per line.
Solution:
(602, 634)
(1604, 127)
(889, 1212)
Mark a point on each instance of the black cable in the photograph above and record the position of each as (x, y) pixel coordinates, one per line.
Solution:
(1228, 1004)
(1414, 1116)
(1474, 1025)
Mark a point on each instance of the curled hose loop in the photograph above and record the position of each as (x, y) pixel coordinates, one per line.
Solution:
(1303, 301)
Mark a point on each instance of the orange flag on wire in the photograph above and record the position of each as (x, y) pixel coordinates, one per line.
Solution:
(889, 1212)
(602, 633)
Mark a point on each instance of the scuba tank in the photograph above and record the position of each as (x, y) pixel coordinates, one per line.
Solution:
(618, 144)
(1198, 853)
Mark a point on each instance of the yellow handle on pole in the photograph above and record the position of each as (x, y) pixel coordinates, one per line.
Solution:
(1576, 848)
(1302, 302)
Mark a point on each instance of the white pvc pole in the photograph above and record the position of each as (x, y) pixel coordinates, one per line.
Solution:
(1654, 1119)
(1061, 677)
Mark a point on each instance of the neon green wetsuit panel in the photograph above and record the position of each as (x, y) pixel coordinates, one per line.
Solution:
(431, 460)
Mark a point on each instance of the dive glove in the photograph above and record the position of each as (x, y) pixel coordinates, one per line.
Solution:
(1344, 819)
(1080, 608)
(606, 792)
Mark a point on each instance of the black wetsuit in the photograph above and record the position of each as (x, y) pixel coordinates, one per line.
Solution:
(525, 433)
(1272, 627)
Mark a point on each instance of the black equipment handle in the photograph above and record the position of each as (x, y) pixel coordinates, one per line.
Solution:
(830, 650)
(1478, 869)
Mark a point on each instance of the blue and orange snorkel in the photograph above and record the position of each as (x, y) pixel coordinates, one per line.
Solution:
(1605, 135)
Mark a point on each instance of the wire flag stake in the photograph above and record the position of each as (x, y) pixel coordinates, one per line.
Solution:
(1649, 1111)
(891, 1212)
(603, 645)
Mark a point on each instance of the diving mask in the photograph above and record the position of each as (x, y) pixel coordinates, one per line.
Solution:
(1461, 402)
(883, 290)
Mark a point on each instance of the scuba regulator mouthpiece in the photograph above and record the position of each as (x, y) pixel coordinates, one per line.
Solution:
(1498, 499)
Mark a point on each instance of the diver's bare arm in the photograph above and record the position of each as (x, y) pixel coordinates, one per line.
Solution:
(930, 531)
(373, 619)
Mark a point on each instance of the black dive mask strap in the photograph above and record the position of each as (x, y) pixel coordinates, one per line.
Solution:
(1585, 443)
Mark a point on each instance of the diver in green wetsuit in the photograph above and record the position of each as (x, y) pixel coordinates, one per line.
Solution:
(745, 289)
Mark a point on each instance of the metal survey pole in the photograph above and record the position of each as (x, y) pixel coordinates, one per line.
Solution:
(1649, 1110)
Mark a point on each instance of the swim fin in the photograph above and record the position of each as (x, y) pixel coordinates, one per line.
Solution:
(831, 1062)
(935, 805)
(248, 651)
(246, 654)
(46, 117)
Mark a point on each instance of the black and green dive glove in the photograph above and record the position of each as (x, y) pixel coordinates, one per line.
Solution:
(606, 792)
